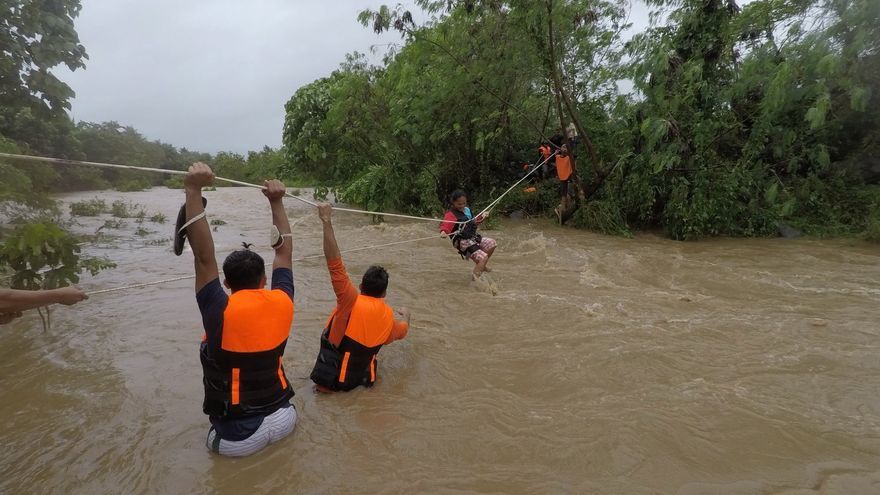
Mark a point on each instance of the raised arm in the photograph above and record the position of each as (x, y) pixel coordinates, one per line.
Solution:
(198, 233)
(346, 293)
(14, 300)
(274, 191)
(331, 249)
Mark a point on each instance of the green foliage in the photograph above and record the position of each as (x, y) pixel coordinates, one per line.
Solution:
(43, 256)
(602, 216)
(88, 208)
(175, 182)
(133, 185)
(218, 221)
(37, 36)
(126, 209)
(739, 142)
(113, 224)
(320, 193)
(19, 183)
(537, 203)
(231, 166)
(739, 119)
(371, 190)
(872, 231)
(158, 218)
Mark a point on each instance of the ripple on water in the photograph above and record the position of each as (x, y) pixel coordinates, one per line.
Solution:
(603, 365)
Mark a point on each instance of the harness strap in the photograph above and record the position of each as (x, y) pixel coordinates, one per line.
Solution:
(464, 253)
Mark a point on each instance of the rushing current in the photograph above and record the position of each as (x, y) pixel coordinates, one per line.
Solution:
(603, 365)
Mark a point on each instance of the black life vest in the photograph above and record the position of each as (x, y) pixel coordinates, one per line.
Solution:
(465, 231)
(245, 376)
(345, 367)
(354, 363)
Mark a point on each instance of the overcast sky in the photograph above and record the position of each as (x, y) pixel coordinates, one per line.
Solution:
(213, 75)
(209, 75)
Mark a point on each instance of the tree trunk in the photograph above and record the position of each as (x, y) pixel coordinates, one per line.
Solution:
(557, 81)
(566, 209)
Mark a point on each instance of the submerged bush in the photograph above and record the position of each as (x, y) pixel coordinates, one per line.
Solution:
(113, 223)
(602, 216)
(88, 208)
(126, 209)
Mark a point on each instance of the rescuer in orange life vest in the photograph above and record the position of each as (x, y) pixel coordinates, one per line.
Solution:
(544, 152)
(360, 324)
(247, 395)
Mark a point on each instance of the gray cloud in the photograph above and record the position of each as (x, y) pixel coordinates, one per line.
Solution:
(209, 75)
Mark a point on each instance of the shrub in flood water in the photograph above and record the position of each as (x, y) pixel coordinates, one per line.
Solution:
(112, 224)
(88, 208)
(158, 218)
(123, 209)
(602, 216)
(43, 256)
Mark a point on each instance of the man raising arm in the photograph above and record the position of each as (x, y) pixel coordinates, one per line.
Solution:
(247, 394)
(360, 324)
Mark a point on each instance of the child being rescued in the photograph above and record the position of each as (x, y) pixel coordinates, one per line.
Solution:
(467, 241)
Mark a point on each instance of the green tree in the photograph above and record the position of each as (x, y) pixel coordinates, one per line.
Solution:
(37, 35)
(739, 120)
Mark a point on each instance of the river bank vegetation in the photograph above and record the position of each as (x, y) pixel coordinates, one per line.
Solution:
(715, 120)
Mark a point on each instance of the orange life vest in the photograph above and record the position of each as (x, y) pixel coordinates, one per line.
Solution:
(353, 362)
(563, 167)
(245, 376)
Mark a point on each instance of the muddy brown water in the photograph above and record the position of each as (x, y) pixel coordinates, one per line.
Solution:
(603, 365)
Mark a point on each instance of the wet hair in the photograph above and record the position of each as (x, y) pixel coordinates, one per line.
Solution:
(244, 269)
(458, 193)
(375, 282)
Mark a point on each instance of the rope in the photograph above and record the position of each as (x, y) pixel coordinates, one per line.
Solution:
(524, 177)
(61, 161)
(188, 277)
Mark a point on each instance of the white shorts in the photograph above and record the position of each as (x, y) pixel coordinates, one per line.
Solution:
(275, 426)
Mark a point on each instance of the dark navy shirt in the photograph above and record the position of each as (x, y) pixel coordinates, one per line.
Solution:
(212, 301)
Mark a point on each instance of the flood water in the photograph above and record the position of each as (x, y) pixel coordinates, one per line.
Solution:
(603, 365)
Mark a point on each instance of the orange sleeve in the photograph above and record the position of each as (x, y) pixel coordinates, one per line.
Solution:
(398, 331)
(346, 295)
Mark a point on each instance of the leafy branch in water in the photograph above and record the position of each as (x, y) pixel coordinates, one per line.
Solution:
(41, 255)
